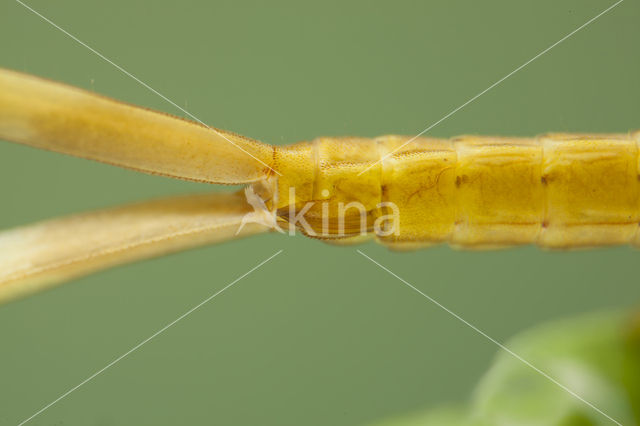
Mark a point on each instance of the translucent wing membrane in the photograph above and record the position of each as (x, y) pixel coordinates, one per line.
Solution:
(38, 256)
(56, 117)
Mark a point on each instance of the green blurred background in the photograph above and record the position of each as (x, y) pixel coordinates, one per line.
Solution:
(318, 336)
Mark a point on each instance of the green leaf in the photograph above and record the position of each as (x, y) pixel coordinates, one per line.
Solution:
(596, 357)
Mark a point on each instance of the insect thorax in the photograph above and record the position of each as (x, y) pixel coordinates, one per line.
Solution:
(329, 188)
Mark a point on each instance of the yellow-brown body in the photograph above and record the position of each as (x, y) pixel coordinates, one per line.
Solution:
(557, 190)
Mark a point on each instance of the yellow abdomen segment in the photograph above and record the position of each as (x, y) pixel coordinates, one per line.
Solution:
(557, 190)
(591, 187)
